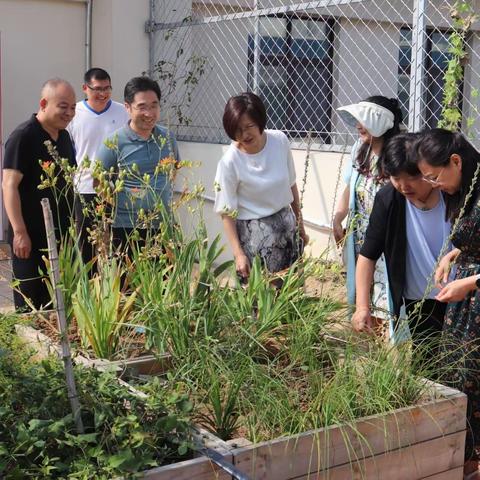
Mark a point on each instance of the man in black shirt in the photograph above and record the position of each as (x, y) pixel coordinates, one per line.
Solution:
(28, 156)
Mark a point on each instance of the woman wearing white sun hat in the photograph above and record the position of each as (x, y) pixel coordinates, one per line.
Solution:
(376, 119)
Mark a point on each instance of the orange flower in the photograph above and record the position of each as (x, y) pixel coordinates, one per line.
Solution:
(168, 161)
(46, 164)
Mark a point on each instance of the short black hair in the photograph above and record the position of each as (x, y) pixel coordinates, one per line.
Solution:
(436, 147)
(96, 74)
(140, 84)
(237, 106)
(397, 155)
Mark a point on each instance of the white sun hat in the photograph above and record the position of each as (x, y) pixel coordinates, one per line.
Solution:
(374, 118)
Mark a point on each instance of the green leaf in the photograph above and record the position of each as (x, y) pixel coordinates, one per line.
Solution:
(36, 423)
(122, 457)
(87, 438)
(183, 449)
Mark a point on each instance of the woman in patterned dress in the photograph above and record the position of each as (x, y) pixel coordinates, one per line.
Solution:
(255, 189)
(376, 119)
(448, 161)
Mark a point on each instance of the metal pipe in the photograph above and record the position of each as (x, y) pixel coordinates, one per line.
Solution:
(297, 7)
(417, 73)
(256, 51)
(88, 35)
(151, 38)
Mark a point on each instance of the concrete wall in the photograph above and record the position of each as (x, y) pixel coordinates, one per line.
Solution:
(39, 40)
(120, 44)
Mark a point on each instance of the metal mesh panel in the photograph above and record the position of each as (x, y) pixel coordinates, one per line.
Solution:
(305, 60)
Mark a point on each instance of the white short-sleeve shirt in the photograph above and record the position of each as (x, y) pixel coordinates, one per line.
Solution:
(252, 186)
(88, 130)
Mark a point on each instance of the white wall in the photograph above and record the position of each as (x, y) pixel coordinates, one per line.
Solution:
(120, 44)
(40, 40)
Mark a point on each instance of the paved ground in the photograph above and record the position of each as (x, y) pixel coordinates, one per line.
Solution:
(6, 297)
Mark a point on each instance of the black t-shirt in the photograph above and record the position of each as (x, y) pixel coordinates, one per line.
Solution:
(26, 152)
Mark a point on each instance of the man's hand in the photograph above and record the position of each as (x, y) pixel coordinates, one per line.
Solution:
(242, 265)
(457, 290)
(22, 245)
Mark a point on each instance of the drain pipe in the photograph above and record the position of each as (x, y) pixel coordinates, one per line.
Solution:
(88, 35)
(151, 38)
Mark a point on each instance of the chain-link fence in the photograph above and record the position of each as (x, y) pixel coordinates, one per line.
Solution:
(305, 60)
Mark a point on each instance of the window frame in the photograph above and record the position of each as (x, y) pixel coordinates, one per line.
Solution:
(290, 61)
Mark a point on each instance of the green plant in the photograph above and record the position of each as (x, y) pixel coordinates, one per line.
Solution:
(124, 434)
(177, 290)
(463, 15)
(102, 310)
(180, 76)
(71, 269)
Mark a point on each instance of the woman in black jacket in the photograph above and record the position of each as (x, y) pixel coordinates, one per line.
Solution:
(408, 225)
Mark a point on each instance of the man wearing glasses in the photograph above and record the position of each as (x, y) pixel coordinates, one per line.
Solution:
(97, 116)
(146, 153)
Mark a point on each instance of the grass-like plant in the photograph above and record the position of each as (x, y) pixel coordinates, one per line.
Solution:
(102, 310)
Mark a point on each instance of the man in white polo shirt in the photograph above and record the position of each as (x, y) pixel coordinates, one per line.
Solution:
(96, 118)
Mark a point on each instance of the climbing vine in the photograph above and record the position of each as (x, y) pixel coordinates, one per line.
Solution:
(463, 16)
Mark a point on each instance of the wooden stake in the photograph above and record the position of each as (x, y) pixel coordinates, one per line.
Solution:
(60, 309)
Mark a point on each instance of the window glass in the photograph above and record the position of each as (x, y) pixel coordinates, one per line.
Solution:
(295, 74)
(436, 61)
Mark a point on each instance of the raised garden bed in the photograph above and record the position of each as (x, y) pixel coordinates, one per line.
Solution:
(144, 365)
(424, 441)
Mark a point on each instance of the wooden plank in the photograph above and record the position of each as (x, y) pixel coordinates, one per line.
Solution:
(417, 462)
(314, 451)
(454, 474)
(199, 469)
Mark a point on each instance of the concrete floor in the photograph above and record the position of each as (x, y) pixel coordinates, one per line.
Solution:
(6, 295)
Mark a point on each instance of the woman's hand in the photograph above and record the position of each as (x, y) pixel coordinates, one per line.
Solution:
(444, 266)
(338, 230)
(305, 238)
(362, 320)
(457, 290)
(242, 265)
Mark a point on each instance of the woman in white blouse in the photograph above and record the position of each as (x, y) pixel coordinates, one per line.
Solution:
(256, 192)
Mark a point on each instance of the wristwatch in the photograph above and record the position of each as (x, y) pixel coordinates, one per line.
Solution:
(477, 282)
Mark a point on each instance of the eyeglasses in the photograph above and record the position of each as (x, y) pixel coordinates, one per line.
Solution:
(146, 108)
(106, 89)
(436, 180)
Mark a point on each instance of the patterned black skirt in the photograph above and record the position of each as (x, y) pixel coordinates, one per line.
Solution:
(272, 238)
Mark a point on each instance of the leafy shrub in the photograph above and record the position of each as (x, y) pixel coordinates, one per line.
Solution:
(124, 434)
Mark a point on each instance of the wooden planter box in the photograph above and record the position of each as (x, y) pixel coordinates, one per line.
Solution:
(425, 441)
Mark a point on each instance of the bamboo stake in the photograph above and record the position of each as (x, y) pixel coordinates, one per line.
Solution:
(60, 309)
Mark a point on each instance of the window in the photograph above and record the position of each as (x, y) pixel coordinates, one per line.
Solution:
(294, 74)
(436, 61)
